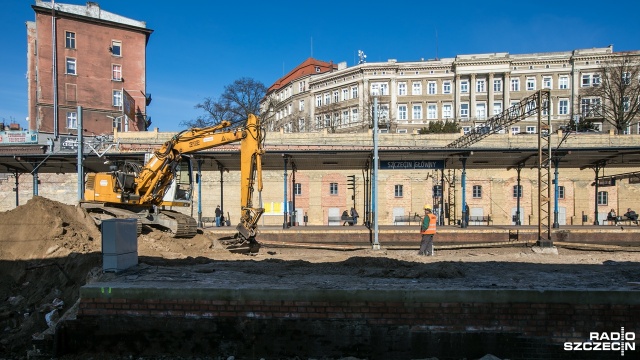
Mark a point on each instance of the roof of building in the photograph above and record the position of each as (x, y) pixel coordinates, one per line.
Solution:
(91, 10)
(306, 68)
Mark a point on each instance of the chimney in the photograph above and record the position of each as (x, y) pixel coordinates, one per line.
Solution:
(93, 9)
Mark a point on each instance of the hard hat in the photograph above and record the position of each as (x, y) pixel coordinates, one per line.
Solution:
(426, 207)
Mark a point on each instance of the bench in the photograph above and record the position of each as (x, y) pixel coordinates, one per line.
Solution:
(621, 220)
(340, 220)
(407, 219)
(480, 219)
(208, 219)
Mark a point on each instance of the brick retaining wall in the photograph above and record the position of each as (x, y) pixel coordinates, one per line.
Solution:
(374, 324)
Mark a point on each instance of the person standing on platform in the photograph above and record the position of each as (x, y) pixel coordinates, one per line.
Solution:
(428, 230)
(218, 215)
(354, 215)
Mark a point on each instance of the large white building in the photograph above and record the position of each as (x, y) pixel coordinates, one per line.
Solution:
(468, 89)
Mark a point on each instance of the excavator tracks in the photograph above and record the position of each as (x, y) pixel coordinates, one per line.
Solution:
(180, 225)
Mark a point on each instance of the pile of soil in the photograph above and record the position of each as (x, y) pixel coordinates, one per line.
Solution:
(47, 252)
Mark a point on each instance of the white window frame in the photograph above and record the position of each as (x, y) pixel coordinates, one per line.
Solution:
(116, 48)
(603, 198)
(481, 85)
(464, 110)
(318, 100)
(354, 115)
(515, 130)
(333, 188)
(402, 112)
(497, 85)
(563, 107)
(70, 39)
(515, 84)
(464, 86)
(301, 105)
(530, 129)
(547, 82)
(531, 83)
(563, 82)
(476, 192)
(416, 113)
(116, 72)
(402, 88)
(72, 120)
(481, 110)
(497, 107)
(345, 94)
(432, 111)
(446, 87)
(117, 98)
(71, 66)
(354, 92)
(416, 88)
(432, 88)
(398, 190)
(447, 111)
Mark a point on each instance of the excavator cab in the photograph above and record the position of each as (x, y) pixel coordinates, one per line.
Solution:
(180, 192)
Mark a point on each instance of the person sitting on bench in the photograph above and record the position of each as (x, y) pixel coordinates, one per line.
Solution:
(631, 215)
(611, 216)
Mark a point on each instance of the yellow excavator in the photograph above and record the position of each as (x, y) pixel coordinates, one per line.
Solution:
(133, 190)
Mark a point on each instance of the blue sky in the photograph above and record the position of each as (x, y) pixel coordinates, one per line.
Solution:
(198, 47)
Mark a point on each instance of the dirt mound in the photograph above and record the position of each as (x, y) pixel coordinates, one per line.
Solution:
(44, 228)
(47, 250)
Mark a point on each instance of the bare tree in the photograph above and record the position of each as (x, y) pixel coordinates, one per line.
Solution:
(238, 100)
(619, 91)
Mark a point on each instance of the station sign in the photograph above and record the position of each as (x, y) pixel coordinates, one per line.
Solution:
(412, 164)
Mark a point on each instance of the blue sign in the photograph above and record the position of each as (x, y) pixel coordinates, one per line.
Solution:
(412, 164)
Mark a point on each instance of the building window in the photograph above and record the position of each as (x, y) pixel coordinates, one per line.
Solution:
(402, 112)
(517, 191)
(354, 92)
(590, 107)
(563, 107)
(477, 191)
(301, 126)
(416, 88)
(464, 110)
(402, 88)
(116, 48)
(333, 189)
(446, 87)
(481, 111)
(497, 107)
(515, 84)
(481, 85)
(547, 83)
(431, 88)
(72, 120)
(70, 40)
(563, 82)
(626, 78)
(531, 83)
(116, 72)
(497, 85)
(336, 96)
(318, 100)
(354, 115)
(398, 191)
(603, 198)
(301, 86)
(117, 97)
(345, 94)
(379, 88)
(466, 129)
(327, 99)
(432, 111)
(464, 86)
(71, 66)
(531, 130)
(590, 80)
(301, 105)
(345, 117)
(297, 189)
(417, 112)
(446, 111)
(515, 130)
(560, 192)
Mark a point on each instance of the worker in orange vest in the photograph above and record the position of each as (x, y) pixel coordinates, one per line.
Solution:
(428, 230)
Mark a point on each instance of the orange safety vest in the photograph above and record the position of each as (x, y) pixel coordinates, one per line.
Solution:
(432, 225)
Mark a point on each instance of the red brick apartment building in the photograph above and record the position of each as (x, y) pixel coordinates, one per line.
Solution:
(100, 62)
